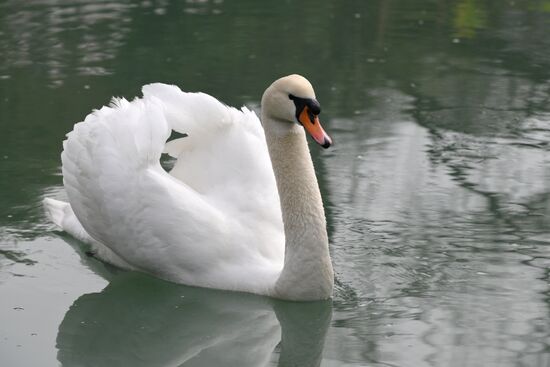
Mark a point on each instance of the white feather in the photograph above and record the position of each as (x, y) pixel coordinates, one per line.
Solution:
(214, 221)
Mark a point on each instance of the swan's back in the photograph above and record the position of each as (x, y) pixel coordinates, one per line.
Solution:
(214, 221)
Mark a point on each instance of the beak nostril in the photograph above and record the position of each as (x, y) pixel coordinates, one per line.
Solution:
(311, 117)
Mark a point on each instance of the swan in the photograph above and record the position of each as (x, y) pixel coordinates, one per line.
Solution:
(240, 210)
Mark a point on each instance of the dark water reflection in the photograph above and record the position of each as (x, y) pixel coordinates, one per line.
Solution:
(436, 190)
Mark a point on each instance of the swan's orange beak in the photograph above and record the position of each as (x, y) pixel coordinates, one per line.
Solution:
(311, 123)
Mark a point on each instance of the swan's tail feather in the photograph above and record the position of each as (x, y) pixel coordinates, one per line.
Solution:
(56, 210)
(62, 215)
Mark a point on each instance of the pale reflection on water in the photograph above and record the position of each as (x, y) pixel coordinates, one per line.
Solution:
(449, 248)
(140, 321)
(61, 37)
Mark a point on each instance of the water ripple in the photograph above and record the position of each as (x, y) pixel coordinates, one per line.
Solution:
(49, 29)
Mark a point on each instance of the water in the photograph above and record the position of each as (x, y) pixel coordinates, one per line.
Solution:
(436, 189)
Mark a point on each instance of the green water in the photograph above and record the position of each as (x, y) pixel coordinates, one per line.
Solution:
(437, 188)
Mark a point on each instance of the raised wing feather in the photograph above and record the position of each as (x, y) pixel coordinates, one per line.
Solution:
(214, 221)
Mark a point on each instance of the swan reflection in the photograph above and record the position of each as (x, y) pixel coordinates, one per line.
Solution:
(141, 321)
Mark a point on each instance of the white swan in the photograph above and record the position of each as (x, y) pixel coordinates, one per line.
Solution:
(216, 220)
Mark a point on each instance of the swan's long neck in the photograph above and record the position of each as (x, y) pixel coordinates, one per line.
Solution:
(307, 273)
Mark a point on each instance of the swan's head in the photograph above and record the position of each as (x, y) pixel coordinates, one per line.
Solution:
(291, 100)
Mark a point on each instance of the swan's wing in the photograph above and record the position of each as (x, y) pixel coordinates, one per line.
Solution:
(224, 158)
(182, 231)
(224, 155)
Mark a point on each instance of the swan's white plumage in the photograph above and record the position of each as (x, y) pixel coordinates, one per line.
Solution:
(214, 221)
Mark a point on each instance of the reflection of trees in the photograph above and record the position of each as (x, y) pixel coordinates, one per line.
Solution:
(53, 37)
(469, 17)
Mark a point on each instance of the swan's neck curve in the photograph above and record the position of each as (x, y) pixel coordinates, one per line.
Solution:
(307, 273)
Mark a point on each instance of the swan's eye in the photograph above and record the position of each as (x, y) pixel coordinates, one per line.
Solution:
(314, 108)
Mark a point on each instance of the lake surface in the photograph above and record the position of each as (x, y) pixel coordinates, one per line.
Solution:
(437, 189)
